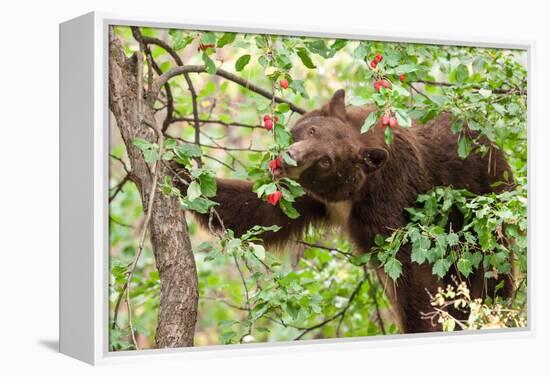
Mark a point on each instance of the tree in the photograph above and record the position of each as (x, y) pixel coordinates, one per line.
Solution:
(170, 112)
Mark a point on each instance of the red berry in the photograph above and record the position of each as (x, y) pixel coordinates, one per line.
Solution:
(384, 83)
(275, 164)
(267, 117)
(377, 86)
(274, 198)
(276, 119)
(402, 78)
(393, 122)
(385, 120)
(373, 64)
(268, 124)
(378, 58)
(283, 83)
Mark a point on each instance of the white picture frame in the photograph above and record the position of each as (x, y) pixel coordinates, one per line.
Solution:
(84, 122)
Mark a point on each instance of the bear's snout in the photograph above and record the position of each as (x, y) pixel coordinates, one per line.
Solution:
(296, 152)
(299, 158)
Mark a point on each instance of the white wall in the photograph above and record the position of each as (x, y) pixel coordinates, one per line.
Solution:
(29, 188)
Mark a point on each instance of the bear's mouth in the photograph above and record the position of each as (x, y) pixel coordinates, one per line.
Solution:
(292, 172)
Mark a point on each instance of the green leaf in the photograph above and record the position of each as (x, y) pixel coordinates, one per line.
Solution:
(227, 337)
(226, 39)
(288, 160)
(170, 143)
(167, 156)
(150, 155)
(188, 150)
(193, 191)
(388, 135)
(369, 122)
(456, 127)
(142, 144)
(208, 38)
(283, 107)
(242, 62)
(282, 136)
(452, 239)
(304, 57)
(227, 323)
(179, 41)
(360, 260)
(393, 268)
(419, 254)
(397, 88)
(464, 147)
(338, 44)
(461, 73)
(379, 240)
(208, 63)
(288, 209)
(441, 267)
(258, 250)
(405, 68)
(208, 184)
(292, 310)
(200, 205)
(464, 266)
(403, 118)
(298, 87)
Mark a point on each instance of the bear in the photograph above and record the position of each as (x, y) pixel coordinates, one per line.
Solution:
(356, 181)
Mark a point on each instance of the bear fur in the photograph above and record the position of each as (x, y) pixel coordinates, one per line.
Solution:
(358, 182)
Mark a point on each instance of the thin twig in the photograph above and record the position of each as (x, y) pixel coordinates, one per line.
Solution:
(376, 303)
(337, 315)
(342, 252)
(217, 146)
(118, 187)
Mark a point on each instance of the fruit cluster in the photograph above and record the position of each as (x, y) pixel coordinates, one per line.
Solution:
(383, 83)
(377, 59)
(268, 121)
(388, 117)
(388, 120)
(275, 164)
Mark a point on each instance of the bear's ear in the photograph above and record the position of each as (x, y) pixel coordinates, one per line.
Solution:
(337, 105)
(374, 158)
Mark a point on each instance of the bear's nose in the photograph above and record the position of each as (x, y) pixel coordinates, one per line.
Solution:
(292, 154)
(296, 152)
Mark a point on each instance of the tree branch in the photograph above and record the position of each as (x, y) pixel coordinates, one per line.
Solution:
(180, 70)
(447, 84)
(217, 121)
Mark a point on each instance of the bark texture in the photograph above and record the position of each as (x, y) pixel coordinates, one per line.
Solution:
(168, 229)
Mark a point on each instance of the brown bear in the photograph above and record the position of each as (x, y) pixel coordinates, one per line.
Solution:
(363, 185)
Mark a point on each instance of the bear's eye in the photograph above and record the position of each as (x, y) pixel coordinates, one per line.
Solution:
(312, 131)
(324, 162)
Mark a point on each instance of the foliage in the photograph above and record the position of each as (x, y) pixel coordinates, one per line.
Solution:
(490, 315)
(493, 233)
(319, 288)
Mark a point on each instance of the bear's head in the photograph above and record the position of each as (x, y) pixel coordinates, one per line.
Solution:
(333, 160)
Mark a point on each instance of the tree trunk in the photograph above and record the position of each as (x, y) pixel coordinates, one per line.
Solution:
(168, 229)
